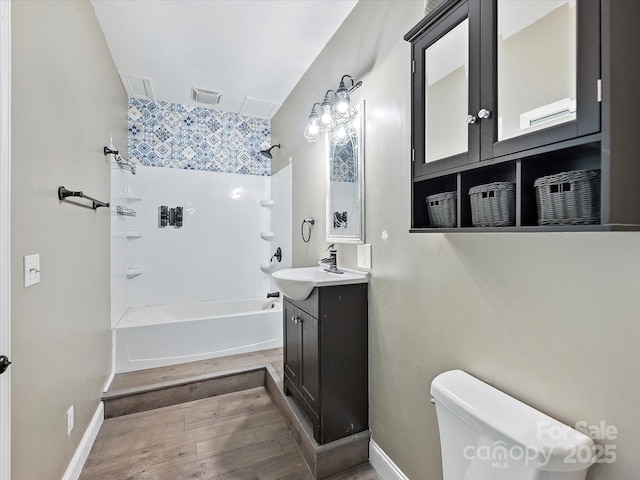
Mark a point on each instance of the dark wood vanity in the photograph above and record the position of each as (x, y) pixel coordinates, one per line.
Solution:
(326, 359)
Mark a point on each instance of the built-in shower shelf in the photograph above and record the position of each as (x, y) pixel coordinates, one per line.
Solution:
(133, 234)
(266, 235)
(267, 267)
(133, 272)
(133, 197)
(266, 203)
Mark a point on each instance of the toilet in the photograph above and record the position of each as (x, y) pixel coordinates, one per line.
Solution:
(487, 435)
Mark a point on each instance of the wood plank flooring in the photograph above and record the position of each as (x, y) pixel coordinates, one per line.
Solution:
(175, 372)
(240, 435)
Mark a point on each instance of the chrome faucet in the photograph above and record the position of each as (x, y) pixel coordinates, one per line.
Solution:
(332, 260)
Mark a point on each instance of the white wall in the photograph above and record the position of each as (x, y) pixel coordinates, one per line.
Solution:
(119, 244)
(281, 217)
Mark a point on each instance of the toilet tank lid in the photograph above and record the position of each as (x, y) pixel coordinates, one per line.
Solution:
(551, 445)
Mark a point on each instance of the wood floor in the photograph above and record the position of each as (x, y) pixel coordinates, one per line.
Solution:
(240, 435)
(175, 372)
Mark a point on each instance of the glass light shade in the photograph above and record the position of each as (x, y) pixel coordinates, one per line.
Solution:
(312, 131)
(326, 118)
(343, 100)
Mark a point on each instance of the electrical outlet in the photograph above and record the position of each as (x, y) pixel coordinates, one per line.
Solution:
(70, 420)
(31, 269)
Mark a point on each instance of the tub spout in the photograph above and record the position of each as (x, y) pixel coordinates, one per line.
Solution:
(273, 295)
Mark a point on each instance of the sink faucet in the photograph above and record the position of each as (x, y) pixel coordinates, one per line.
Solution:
(332, 260)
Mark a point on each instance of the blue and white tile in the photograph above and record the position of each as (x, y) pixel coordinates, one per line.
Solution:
(136, 130)
(183, 136)
(134, 114)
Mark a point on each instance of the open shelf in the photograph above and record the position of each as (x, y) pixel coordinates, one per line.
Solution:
(133, 272)
(132, 197)
(522, 172)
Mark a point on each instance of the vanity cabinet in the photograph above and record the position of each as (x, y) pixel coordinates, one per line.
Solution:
(326, 359)
(511, 91)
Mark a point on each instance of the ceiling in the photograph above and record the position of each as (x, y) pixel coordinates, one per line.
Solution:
(254, 52)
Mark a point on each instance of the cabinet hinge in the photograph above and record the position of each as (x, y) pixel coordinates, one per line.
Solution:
(599, 89)
(413, 155)
(413, 66)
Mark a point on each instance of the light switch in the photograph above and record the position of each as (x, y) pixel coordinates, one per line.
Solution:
(364, 256)
(31, 269)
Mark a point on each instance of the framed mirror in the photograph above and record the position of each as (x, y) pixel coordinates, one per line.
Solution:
(345, 181)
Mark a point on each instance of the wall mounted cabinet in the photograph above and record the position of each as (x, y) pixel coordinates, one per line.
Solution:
(510, 91)
(326, 359)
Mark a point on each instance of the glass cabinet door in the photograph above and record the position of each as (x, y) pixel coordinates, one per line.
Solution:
(536, 53)
(446, 71)
(543, 85)
(444, 86)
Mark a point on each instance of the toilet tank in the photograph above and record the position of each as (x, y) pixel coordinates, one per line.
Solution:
(487, 435)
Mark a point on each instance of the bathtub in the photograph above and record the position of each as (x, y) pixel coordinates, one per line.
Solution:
(164, 335)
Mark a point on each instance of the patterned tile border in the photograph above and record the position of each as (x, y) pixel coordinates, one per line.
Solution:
(163, 134)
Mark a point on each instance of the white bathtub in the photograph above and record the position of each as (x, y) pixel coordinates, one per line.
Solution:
(170, 334)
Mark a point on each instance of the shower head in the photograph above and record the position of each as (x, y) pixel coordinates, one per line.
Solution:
(267, 152)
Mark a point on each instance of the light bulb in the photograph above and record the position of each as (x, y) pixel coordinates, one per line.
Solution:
(326, 117)
(312, 131)
(342, 107)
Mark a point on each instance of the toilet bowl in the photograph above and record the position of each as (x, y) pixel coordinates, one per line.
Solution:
(487, 435)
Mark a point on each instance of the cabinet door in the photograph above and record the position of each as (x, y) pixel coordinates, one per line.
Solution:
(310, 361)
(540, 69)
(291, 343)
(446, 91)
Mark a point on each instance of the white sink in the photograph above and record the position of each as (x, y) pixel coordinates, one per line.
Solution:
(298, 283)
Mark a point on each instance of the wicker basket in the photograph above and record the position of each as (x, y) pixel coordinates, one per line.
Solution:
(493, 204)
(442, 209)
(569, 198)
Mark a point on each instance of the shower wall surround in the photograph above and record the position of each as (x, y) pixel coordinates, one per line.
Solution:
(215, 255)
(163, 134)
(214, 169)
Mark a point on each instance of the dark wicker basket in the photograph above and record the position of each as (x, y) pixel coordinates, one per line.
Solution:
(493, 204)
(569, 198)
(442, 209)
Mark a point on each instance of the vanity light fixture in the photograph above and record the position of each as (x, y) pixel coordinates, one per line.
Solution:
(334, 112)
(326, 107)
(312, 132)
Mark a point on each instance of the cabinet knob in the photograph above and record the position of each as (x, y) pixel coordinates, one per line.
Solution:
(296, 319)
(471, 119)
(484, 113)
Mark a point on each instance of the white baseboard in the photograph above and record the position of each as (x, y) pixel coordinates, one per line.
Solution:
(82, 452)
(383, 465)
(108, 382)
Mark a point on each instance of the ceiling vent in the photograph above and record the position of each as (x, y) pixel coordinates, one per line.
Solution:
(258, 108)
(205, 96)
(137, 87)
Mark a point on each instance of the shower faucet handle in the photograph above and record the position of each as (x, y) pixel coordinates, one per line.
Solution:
(164, 216)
